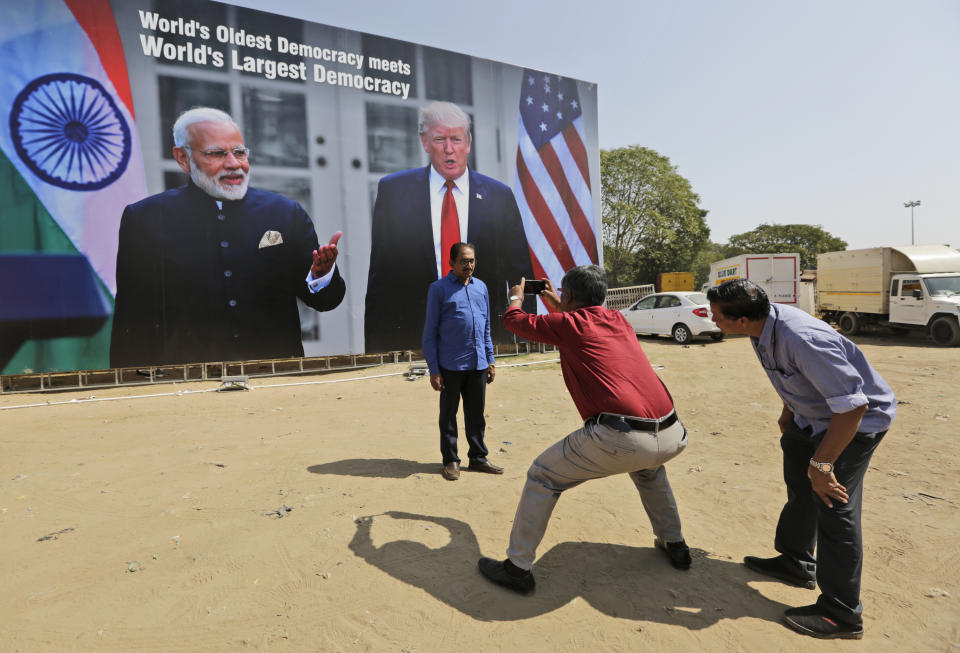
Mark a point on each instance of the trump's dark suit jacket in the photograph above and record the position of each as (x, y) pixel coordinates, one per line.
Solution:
(194, 284)
(403, 263)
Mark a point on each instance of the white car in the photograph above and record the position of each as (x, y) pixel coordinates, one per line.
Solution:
(681, 315)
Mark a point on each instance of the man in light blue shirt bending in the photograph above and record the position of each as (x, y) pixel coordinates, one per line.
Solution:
(459, 352)
(836, 410)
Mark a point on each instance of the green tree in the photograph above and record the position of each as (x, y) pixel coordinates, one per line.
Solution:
(807, 240)
(710, 253)
(651, 219)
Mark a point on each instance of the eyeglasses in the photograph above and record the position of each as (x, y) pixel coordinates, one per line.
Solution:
(240, 153)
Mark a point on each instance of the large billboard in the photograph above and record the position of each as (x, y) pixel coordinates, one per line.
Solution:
(115, 253)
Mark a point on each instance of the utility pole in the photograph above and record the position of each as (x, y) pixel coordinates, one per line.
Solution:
(910, 205)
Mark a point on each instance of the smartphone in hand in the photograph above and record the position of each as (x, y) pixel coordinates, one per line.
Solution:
(534, 287)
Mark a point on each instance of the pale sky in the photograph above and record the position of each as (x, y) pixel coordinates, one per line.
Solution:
(825, 112)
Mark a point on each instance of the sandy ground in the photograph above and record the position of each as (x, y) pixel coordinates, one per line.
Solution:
(166, 535)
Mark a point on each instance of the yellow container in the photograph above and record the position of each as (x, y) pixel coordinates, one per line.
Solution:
(670, 281)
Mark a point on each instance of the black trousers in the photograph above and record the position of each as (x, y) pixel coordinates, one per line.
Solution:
(806, 521)
(472, 386)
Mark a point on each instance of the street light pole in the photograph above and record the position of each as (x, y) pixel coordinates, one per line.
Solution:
(910, 206)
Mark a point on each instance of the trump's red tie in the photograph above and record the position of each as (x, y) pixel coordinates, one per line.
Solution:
(449, 226)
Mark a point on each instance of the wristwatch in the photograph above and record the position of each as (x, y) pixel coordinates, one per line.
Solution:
(826, 468)
(514, 298)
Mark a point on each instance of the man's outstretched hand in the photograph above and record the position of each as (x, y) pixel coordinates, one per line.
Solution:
(325, 256)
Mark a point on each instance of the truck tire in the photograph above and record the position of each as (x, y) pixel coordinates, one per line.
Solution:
(849, 324)
(945, 331)
(681, 333)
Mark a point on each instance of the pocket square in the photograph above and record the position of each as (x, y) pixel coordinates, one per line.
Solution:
(271, 238)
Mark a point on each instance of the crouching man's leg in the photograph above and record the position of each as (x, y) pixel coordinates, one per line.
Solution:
(594, 451)
(658, 499)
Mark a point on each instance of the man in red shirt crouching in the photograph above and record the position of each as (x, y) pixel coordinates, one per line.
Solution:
(630, 424)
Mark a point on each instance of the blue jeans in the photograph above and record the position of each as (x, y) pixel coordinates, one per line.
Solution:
(806, 521)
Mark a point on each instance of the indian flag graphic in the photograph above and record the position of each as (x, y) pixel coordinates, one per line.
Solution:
(70, 157)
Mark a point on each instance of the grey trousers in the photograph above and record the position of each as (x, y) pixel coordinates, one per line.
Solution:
(598, 451)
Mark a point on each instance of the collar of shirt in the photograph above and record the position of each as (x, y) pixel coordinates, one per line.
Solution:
(764, 345)
(461, 195)
(452, 278)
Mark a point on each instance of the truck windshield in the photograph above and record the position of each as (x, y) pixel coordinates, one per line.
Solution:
(942, 286)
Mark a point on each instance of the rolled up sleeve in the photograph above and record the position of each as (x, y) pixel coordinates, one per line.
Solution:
(829, 370)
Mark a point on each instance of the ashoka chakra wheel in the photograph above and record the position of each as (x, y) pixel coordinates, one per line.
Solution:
(68, 130)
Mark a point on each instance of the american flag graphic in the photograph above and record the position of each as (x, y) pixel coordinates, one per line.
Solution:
(552, 186)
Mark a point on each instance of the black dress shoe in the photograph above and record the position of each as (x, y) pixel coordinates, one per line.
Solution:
(451, 471)
(781, 568)
(678, 552)
(497, 572)
(486, 467)
(812, 620)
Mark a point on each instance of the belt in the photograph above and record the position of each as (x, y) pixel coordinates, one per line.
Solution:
(618, 422)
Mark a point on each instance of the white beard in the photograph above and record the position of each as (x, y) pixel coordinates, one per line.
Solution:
(208, 184)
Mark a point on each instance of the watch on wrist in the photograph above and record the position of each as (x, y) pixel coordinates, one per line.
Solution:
(826, 468)
(514, 298)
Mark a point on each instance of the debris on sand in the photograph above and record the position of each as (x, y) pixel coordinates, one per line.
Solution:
(936, 592)
(55, 535)
(278, 513)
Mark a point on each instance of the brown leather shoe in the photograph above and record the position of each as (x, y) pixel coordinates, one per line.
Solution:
(486, 467)
(451, 471)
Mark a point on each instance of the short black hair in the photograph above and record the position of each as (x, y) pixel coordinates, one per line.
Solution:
(456, 247)
(587, 284)
(740, 298)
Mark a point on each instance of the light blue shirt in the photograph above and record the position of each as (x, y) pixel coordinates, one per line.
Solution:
(456, 335)
(818, 372)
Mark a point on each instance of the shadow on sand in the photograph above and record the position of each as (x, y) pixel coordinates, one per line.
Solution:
(621, 581)
(376, 467)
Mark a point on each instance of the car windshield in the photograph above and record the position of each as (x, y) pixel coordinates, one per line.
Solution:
(698, 298)
(942, 286)
(645, 303)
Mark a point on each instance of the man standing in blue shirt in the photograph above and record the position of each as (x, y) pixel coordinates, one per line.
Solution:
(836, 410)
(459, 352)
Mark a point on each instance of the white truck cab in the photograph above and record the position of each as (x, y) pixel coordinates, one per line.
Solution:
(916, 298)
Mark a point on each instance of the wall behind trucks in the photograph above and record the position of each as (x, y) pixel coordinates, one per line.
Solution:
(327, 112)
